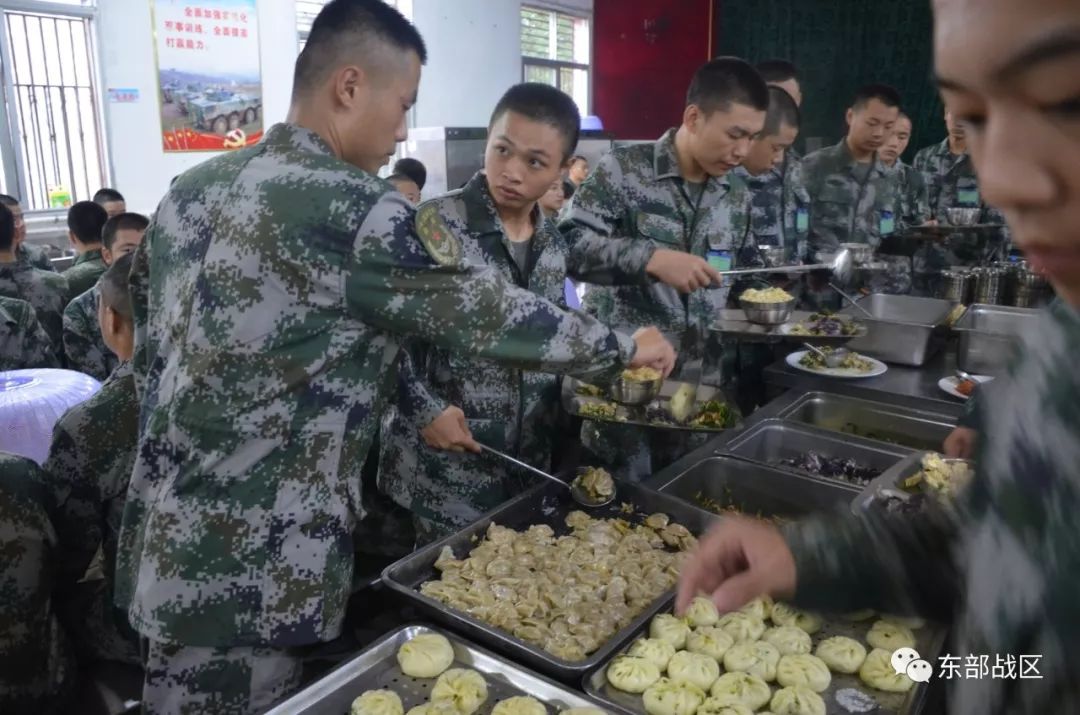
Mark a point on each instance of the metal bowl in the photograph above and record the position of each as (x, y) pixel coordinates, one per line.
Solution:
(861, 253)
(963, 217)
(635, 392)
(772, 255)
(768, 313)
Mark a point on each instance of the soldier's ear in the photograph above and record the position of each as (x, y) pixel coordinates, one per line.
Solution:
(690, 116)
(850, 116)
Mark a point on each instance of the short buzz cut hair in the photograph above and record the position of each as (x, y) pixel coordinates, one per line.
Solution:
(777, 71)
(724, 81)
(347, 28)
(782, 112)
(412, 168)
(122, 222)
(113, 286)
(7, 228)
(10, 201)
(576, 158)
(86, 219)
(884, 93)
(105, 196)
(545, 104)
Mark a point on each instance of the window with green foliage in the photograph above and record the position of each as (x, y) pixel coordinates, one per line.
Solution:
(555, 50)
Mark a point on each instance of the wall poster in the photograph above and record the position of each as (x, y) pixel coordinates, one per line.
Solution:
(209, 76)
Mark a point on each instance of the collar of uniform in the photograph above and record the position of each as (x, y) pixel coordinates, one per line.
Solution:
(293, 136)
(665, 160)
(16, 266)
(122, 370)
(845, 152)
(482, 217)
(94, 254)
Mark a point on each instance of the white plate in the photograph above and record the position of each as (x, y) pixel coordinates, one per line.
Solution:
(880, 368)
(948, 384)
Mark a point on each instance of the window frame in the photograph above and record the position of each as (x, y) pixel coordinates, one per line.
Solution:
(556, 9)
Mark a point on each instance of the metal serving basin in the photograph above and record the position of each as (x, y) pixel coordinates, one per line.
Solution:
(990, 336)
(904, 329)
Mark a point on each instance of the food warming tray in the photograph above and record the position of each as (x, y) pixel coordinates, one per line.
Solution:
(733, 321)
(572, 402)
(904, 330)
(990, 335)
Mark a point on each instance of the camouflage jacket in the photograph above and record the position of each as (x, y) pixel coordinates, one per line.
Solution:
(268, 335)
(87, 473)
(844, 209)
(47, 292)
(779, 210)
(951, 182)
(914, 199)
(633, 203)
(1003, 568)
(84, 347)
(36, 665)
(85, 271)
(23, 342)
(36, 256)
(509, 409)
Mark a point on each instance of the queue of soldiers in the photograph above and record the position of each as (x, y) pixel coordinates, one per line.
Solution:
(196, 515)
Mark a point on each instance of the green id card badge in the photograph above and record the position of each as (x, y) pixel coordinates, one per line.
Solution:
(886, 224)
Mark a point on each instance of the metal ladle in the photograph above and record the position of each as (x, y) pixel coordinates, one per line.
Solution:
(577, 492)
(851, 300)
(832, 359)
(839, 264)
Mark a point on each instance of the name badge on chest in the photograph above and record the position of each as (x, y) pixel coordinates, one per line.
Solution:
(886, 223)
(718, 259)
(802, 219)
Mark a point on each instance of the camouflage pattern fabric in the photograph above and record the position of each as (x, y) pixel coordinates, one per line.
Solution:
(87, 473)
(47, 292)
(36, 256)
(776, 198)
(36, 667)
(84, 272)
(186, 680)
(84, 347)
(23, 342)
(267, 330)
(509, 409)
(1002, 568)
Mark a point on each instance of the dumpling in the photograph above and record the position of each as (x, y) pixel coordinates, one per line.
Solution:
(438, 707)
(670, 629)
(743, 688)
(877, 672)
(667, 697)
(789, 640)
(785, 615)
(702, 612)
(465, 689)
(712, 641)
(715, 706)
(841, 654)
(803, 669)
(427, 655)
(632, 675)
(377, 702)
(741, 627)
(759, 608)
(756, 658)
(701, 670)
(521, 705)
(654, 650)
(797, 700)
(912, 622)
(890, 636)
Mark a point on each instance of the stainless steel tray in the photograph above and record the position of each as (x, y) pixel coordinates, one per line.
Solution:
(930, 641)
(572, 403)
(905, 330)
(878, 421)
(377, 668)
(733, 321)
(770, 441)
(990, 336)
(544, 504)
(757, 489)
(890, 483)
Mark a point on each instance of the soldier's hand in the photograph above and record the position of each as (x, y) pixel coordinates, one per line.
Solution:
(653, 350)
(960, 444)
(449, 431)
(682, 271)
(737, 561)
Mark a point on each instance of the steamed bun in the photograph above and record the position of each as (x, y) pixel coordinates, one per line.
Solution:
(841, 654)
(757, 658)
(632, 675)
(654, 650)
(877, 672)
(789, 640)
(759, 608)
(711, 641)
(701, 670)
(742, 688)
(803, 669)
(741, 627)
(702, 612)
(377, 702)
(667, 697)
(890, 636)
(463, 688)
(670, 629)
(797, 700)
(785, 615)
(714, 706)
(520, 705)
(427, 655)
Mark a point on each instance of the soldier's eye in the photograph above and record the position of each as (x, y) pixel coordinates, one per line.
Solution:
(1070, 108)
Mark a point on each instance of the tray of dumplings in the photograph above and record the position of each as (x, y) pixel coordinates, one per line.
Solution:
(422, 671)
(553, 586)
(766, 657)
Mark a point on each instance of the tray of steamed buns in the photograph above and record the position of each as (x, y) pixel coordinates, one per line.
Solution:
(421, 671)
(768, 658)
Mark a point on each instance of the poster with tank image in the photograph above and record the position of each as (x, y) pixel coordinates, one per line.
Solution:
(209, 76)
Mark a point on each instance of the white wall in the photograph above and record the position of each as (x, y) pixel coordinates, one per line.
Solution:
(141, 170)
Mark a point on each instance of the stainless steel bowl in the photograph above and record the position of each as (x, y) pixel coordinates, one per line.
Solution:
(861, 253)
(772, 255)
(963, 217)
(768, 313)
(635, 392)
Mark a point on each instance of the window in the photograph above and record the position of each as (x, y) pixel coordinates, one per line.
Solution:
(555, 51)
(51, 138)
(308, 10)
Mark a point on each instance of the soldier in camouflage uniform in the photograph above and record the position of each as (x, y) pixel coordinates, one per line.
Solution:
(914, 201)
(36, 256)
(652, 225)
(24, 343)
(87, 473)
(1001, 566)
(85, 223)
(854, 199)
(279, 279)
(37, 671)
(47, 292)
(83, 346)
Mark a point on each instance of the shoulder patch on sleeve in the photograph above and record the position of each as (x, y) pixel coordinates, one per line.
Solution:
(436, 236)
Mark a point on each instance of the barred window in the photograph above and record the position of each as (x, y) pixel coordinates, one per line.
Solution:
(555, 50)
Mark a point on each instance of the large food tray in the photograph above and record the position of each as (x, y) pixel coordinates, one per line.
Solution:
(990, 336)
(904, 329)
(929, 643)
(891, 483)
(545, 504)
(881, 422)
(572, 402)
(377, 668)
(733, 321)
